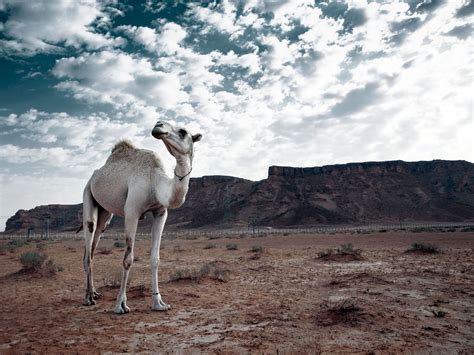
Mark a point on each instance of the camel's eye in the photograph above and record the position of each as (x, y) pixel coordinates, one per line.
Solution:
(182, 133)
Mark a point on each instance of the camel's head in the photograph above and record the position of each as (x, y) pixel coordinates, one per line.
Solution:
(178, 141)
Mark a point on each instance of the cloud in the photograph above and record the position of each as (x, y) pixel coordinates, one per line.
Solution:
(48, 26)
(65, 142)
(356, 100)
(119, 79)
(166, 41)
(466, 10)
(461, 32)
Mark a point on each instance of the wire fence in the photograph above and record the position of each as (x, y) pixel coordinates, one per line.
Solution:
(259, 230)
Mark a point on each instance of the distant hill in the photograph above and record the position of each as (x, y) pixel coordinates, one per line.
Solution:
(369, 192)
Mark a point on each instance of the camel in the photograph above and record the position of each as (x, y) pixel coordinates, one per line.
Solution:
(131, 183)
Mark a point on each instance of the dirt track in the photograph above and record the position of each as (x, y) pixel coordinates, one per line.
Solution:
(282, 299)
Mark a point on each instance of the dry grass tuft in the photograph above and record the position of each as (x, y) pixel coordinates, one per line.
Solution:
(345, 312)
(206, 271)
(423, 248)
(345, 252)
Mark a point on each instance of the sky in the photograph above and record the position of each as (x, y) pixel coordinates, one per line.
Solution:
(294, 83)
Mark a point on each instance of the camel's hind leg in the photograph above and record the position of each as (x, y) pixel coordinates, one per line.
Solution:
(90, 217)
(103, 220)
(131, 221)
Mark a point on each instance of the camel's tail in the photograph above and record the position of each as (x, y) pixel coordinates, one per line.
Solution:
(79, 229)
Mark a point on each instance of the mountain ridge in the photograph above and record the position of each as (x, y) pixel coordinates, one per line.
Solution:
(380, 191)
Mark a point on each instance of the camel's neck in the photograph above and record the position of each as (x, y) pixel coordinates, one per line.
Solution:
(180, 182)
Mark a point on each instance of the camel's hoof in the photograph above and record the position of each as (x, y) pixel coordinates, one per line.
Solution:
(121, 308)
(97, 295)
(89, 302)
(161, 307)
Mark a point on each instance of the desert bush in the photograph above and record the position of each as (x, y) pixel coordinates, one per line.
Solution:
(119, 244)
(344, 312)
(343, 252)
(211, 237)
(231, 246)
(467, 229)
(50, 268)
(114, 278)
(438, 313)
(197, 275)
(382, 231)
(32, 261)
(39, 263)
(348, 249)
(256, 249)
(325, 253)
(220, 274)
(423, 248)
(41, 246)
(16, 243)
(209, 246)
(5, 248)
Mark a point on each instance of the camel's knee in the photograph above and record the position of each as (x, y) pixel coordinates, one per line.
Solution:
(155, 262)
(90, 226)
(128, 258)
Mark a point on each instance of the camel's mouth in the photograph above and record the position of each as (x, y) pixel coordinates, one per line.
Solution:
(159, 133)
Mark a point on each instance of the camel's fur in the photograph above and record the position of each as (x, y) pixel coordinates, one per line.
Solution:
(131, 183)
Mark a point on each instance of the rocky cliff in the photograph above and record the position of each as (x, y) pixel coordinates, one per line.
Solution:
(369, 192)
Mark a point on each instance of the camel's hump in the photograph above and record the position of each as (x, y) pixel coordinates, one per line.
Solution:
(122, 146)
(125, 152)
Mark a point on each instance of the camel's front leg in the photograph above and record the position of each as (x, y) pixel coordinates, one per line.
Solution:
(131, 222)
(157, 230)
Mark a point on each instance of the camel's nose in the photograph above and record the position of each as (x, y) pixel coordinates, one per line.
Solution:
(159, 131)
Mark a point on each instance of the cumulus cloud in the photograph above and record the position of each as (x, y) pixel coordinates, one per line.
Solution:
(46, 26)
(119, 79)
(166, 41)
(64, 143)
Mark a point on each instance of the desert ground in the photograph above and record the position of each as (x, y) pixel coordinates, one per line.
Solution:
(254, 293)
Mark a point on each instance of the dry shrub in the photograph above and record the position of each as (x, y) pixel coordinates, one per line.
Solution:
(114, 278)
(345, 312)
(5, 248)
(119, 244)
(208, 270)
(209, 246)
(422, 248)
(11, 246)
(256, 249)
(34, 262)
(438, 313)
(231, 246)
(345, 252)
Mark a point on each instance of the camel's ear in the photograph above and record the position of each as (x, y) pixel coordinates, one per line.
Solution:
(197, 137)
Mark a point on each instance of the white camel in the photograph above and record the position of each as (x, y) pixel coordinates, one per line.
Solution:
(131, 183)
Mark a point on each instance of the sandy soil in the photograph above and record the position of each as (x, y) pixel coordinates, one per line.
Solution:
(283, 299)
